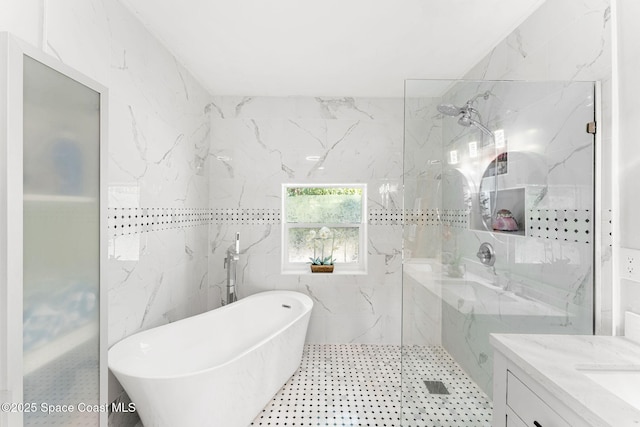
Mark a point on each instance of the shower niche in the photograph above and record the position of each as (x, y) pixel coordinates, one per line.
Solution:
(500, 205)
(501, 211)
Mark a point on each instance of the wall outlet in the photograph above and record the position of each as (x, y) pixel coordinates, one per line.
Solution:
(630, 264)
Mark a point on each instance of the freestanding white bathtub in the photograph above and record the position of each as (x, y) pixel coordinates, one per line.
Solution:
(216, 369)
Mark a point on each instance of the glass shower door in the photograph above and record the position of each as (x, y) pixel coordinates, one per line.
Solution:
(499, 232)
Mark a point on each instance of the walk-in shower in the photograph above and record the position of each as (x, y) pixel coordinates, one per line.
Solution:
(514, 173)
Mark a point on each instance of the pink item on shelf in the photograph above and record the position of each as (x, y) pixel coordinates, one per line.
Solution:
(505, 221)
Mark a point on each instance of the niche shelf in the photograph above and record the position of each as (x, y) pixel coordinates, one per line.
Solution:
(508, 198)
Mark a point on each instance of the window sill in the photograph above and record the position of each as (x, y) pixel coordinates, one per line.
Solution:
(336, 272)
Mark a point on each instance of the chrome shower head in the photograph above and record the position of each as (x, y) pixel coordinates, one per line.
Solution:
(449, 109)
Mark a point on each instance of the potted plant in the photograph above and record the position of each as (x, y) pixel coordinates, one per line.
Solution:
(322, 264)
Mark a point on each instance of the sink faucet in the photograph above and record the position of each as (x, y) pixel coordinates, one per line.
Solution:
(230, 264)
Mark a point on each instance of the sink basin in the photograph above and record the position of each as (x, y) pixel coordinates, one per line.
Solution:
(621, 380)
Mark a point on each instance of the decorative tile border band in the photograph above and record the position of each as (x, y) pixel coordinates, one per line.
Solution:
(455, 218)
(385, 217)
(246, 216)
(426, 217)
(422, 216)
(563, 224)
(123, 221)
(608, 236)
(569, 225)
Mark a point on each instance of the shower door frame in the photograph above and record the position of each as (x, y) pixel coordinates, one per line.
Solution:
(12, 53)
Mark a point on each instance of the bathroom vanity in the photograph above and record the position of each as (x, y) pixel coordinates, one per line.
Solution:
(565, 381)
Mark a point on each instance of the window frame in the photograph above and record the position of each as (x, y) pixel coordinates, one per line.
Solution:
(359, 267)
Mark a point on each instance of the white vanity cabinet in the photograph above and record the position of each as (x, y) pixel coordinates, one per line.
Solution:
(544, 380)
(520, 401)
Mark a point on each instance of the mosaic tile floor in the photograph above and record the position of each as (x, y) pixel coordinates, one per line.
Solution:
(465, 405)
(68, 380)
(348, 385)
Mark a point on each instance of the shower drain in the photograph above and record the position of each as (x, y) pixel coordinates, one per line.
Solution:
(436, 387)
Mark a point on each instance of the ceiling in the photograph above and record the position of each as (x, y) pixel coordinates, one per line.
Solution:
(328, 47)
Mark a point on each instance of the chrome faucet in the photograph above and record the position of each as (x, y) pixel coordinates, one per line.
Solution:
(486, 254)
(230, 264)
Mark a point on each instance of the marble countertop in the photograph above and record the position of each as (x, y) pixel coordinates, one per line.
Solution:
(555, 361)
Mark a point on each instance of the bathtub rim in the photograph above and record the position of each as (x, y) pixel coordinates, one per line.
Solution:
(307, 304)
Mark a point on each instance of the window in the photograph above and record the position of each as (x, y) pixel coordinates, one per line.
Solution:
(308, 211)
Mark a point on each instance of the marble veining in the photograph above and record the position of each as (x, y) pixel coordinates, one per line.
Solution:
(331, 106)
(159, 137)
(262, 142)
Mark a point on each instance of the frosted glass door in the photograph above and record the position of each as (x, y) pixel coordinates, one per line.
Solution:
(61, 246)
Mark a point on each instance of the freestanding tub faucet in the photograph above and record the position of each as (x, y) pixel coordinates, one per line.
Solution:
(231, 263)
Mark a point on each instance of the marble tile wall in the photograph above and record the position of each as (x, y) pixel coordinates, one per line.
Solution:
(259, 143)
(158, 145)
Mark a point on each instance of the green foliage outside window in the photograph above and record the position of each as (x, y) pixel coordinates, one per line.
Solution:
(310, 209)
(322, 191)
(324, 205)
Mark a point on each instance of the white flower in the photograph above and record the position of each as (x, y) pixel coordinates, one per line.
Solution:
(324, 233)
(311, 235)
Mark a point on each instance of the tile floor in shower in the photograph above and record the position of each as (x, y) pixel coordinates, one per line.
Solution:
(72, 378)
(349, 385)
